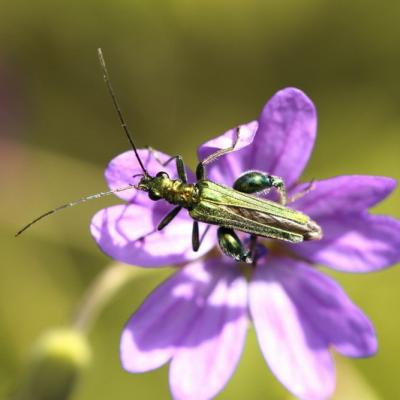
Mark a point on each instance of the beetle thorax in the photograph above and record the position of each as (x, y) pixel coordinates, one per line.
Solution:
(177, 192)
(172, 190)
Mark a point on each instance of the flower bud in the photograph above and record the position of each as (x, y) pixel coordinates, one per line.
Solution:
(56, 363)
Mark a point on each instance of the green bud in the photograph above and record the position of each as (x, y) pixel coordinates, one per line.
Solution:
(55, 365)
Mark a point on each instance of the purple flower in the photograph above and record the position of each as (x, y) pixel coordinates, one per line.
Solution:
(197, 319)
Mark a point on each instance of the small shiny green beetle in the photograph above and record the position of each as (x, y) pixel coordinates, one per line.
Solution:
(231, 209)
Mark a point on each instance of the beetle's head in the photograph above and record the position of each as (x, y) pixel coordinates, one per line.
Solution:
(154, 184)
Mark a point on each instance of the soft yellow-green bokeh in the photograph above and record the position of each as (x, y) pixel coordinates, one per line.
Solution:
(184, 71)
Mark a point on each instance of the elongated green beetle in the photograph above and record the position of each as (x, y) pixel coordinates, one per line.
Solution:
(231, 209)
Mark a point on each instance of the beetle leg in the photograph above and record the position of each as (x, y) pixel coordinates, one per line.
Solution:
(168, 218)
(195, 236)
(196, 241)
(180, 166)
(255, 182)
(308, 189)
(154, 154)
(200, 171)
(231, 245)
(278, 183)
(252, 249)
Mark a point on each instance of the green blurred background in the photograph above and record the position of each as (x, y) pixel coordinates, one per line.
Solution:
(182, 69)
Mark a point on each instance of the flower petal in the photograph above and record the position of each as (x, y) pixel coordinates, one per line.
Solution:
(295, 352)
(128, 233)
(343, 195)
(354, 243)
(285, 136)
(163, 325)
(230, 166)
(150, 337)
(122, 169)
(322, 302)
(209, 353)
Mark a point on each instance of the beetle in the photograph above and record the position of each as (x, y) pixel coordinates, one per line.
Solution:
(231, 209)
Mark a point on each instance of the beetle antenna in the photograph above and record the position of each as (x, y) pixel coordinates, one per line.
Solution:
(74, 203)
(118, 108)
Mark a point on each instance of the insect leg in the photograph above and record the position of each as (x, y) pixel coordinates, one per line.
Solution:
(154, 154)
(278, 183)
(231, 245)
(252, 248)
(255, 181)
(195, 236)
(308, 189)
(169, 217)
(180, 166)
(200, 172)
(196, 239)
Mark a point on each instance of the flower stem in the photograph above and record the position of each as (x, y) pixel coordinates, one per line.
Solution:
(101, 291)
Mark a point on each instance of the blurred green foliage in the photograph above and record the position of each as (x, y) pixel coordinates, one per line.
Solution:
(184, 71)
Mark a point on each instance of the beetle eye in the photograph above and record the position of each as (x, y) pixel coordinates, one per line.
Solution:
(154, 196)
(162, 174)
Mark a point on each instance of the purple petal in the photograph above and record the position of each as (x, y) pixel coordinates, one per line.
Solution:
(208, 354)
(294, 351)
(282, 144)
(128, 233)
(229, 167)
(355, 243)
(325, 306)
(150, 337)
(286, 135)
(122, 169)
(343, 195)
(201, 306)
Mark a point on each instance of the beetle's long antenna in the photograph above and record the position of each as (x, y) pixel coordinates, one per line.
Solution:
(74, 203)
(118, 108)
